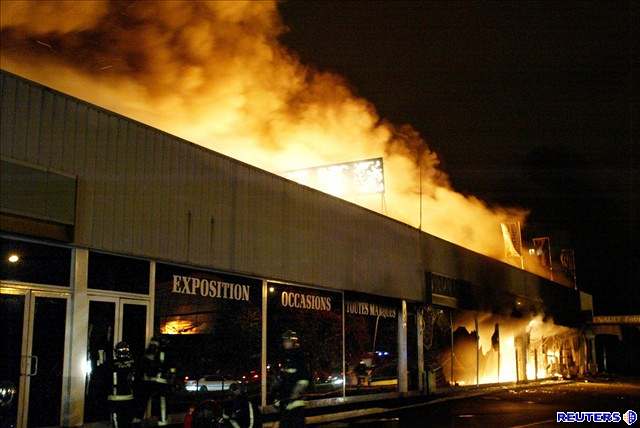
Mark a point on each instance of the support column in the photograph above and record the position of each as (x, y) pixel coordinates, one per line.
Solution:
(475, 319)
(594, 362)
(403, 379)
(420, 344)
(74, 414)
(344, 352)
(152, 302)
(263, 352)
(452, 357)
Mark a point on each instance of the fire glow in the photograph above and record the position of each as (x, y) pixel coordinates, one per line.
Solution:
(182, 326)
(516, 350)
(216, 73)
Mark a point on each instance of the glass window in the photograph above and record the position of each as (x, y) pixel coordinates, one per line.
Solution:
(115, 273)
(413, 376)
(134, 327)
(371, 329)
(316, 316)
(437, 346)
(35, 263)
(212, 323)
(100, 338)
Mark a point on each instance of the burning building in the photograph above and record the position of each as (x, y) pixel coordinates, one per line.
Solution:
(113, 230)
(127, 211)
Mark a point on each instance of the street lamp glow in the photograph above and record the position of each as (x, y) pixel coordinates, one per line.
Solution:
(13, 258)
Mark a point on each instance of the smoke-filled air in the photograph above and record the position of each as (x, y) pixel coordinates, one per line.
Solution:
(215, 73)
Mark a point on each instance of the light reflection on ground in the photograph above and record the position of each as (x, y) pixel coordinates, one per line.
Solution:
(513, 407)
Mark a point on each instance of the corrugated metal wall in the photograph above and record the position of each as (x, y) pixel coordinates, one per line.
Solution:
(145, 193)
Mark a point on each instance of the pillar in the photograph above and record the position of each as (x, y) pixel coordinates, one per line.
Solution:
(403, 378)
(73, 414)
(420, 344)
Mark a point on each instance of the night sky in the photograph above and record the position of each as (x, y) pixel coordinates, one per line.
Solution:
(526, 103)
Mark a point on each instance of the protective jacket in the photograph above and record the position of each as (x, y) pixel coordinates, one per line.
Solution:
(242, 413)
(293, 381)
(155, 366)
(122, 371)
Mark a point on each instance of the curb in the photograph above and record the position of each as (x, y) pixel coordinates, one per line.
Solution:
(352, 414)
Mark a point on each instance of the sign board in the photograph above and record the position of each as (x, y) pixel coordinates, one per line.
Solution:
(447, 291)
(616, 319)
(349, 178)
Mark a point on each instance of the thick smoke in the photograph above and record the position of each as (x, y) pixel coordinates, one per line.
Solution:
(216, 74)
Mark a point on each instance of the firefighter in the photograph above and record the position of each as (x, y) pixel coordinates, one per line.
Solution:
(243, 414)
(121, 404)
(8, 392)
(158, 377)
(293, 381)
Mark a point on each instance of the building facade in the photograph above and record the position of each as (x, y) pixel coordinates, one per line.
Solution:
(112, 230)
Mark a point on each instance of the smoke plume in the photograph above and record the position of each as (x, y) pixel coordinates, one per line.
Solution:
(215, 73)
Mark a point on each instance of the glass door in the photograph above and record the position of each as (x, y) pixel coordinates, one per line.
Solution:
(32, 355)
(111, 320)
(12, 308)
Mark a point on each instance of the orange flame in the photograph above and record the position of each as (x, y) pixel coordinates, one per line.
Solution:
(216, 74)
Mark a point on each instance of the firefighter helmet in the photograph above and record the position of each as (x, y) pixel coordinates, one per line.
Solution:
(292, 337)
(122, 351)
(7, 393)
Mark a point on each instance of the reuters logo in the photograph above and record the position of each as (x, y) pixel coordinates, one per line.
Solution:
(630, 417)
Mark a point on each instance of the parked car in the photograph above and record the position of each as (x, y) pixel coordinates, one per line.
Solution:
(385, 375)
(209, 383)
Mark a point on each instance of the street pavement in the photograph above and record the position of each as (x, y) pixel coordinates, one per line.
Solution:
(534, 406)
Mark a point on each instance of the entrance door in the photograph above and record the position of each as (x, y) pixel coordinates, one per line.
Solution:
(111, 320)
(32, 352)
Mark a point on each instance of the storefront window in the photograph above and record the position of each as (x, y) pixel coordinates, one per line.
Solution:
(437, 346)
(371, 330)
(34, 263)
(316, 317)
(212, 323)
(115, 273)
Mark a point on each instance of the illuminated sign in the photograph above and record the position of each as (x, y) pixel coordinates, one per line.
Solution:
(349, 178)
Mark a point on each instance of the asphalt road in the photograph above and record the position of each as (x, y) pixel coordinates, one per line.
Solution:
(513, 408)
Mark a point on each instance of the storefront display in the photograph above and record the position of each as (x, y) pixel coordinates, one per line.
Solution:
(212, 325)
(316, 317)
(437, 346)
(371, 336)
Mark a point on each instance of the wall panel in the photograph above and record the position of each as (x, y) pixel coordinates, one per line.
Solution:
(33, 126)
(21, 119)
(136, 186)
(8, 111)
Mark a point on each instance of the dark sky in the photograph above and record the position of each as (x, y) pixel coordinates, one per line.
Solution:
(527, 103)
